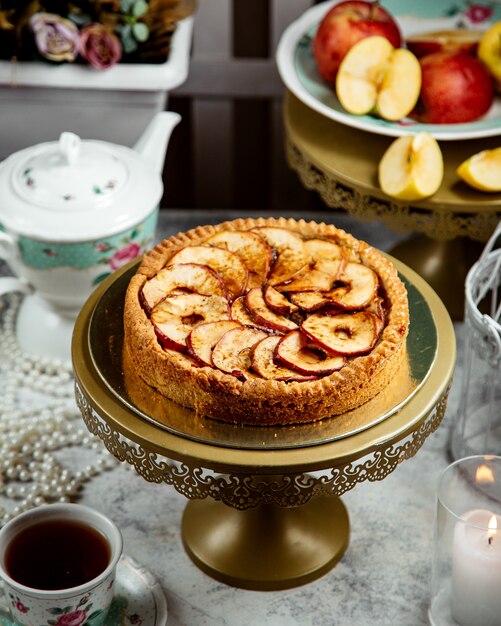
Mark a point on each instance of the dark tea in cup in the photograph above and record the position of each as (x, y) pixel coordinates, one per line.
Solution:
(57, 554)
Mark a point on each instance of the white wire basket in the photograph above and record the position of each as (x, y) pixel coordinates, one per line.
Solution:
(477, 426)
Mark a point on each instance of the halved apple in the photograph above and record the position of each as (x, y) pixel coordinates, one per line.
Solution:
(175, 317)
(263, 315)
(256, 254)
(348, 334)
(202, 339)
(292, 257)
(296, 351)
(374, 77)
(262, 363)
(277, 302)
(227, 264)
(412, 167)
(188, 276)
(482, 171)
(232, 353)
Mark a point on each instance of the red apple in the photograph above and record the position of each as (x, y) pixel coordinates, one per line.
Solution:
(459, 40)
(343, 26)
(456, 87)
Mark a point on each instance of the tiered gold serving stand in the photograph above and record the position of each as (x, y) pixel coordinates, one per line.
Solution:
(340, 163)
(264, 507)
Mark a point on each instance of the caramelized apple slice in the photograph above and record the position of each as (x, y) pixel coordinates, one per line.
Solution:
(256, 254)
(292, 256)
(312, 280)
(309, 300)
(278, 302)
(203, 338)
(323, 250)
(296, 351)
(190, 276)
(227, 264)
(264, 365)
(347, 334)
(232, 353)
(176, 316)
(360, 287)
(264, 316)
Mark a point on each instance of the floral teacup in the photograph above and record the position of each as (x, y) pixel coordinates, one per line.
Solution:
(83, 605)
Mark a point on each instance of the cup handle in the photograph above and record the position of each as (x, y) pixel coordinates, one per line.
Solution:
(8, 285)
(7, 247)
(4, 606)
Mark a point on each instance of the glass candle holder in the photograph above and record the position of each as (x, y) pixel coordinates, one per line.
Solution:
(466, 572)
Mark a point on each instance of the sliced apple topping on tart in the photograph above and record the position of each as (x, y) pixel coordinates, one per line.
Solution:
(266, 303)
(263, 315)
(264, 363)
(232, 353)
(292, 258)
(255, 253)
(228, 265)
(203, 338)
(175, 316)
(349, 334)
(188, 276)
(299, 353)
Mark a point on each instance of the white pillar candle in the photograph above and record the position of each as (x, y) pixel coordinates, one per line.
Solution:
(476, 569)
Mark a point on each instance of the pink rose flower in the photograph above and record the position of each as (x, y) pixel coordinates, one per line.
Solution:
(20, 607)
(477, 13)
(99, 47)
(56, 38)
(124, 255)
(72, 619)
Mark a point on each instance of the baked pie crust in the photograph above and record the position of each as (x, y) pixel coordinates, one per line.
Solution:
(260, 401)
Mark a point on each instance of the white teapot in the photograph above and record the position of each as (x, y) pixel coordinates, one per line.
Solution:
(71, 212)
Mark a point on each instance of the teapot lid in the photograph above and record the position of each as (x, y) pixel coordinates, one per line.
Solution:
(76, 190)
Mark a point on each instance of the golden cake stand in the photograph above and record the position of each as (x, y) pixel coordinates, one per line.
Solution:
(264, 510)
(340, 163)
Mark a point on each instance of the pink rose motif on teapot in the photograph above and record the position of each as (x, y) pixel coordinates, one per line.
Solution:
(129, 252)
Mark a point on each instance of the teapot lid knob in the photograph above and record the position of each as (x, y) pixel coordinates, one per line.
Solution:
(69, 144)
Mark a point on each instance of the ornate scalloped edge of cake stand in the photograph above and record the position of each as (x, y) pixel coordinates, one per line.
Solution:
(242, 491)
(441, 225)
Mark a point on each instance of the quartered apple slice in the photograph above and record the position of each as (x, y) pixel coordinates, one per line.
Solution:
(374, 77)
(175, 317)
(263, 363)
(292, 256)
(309, 300)
(256, 254)
(202, 339)
(347, 334)
(296, 351)
(263, 315)
(189, 276)
(412, 167)
(482, 171)
(227, 264)
(232, 353)
(312, 280)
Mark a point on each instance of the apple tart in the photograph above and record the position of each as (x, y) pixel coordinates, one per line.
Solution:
(266, 321)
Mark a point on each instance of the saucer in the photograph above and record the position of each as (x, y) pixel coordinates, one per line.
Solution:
(138, 599)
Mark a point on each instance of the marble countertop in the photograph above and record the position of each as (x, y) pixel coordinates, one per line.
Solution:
(383, 578)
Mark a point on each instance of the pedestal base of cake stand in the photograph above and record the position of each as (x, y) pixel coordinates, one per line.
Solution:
(267, 547)
(443, 264)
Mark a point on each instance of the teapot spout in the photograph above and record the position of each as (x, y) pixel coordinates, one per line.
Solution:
(152, 145)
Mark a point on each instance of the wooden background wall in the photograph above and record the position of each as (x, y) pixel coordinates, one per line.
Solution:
(228, 150)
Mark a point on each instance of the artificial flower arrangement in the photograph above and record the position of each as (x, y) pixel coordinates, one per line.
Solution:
(94, 32)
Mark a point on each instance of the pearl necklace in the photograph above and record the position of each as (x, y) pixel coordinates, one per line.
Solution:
(39, 422)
